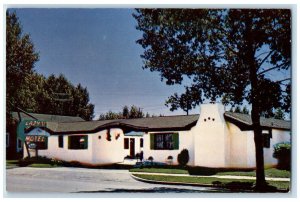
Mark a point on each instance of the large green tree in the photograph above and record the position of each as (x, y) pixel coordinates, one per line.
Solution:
(60, 96)
(224, 55)
(21, 57)
(33, 92)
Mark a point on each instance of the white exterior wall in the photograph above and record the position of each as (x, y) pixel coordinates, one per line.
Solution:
(278, 136)
(107, 152)
(251, 159)
(53, 151)
(242, 146)
(99, 151)
(238, 141)
(185, 142)
(210, 137)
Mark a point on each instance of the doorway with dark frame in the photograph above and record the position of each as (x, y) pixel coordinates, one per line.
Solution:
(132, 147)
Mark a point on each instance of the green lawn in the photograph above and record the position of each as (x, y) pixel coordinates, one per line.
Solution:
(41, 165)
(272, 172)
(16, 163)
(225, 183)
(12, 163)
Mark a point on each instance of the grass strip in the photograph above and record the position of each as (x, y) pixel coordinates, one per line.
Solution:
(41, 165)
(226, 183)
(271, 172)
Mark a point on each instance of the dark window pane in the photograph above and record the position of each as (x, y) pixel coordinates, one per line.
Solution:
(165, 141)
(60, 141)
(141, 142)
(78, 142)
(126, 143)
(266, 139)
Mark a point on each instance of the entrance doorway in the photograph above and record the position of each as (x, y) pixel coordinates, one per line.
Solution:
(132, 147)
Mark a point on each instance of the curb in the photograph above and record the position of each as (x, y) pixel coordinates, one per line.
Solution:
(172, 183)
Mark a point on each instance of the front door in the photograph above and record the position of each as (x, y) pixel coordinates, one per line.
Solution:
(132, 146)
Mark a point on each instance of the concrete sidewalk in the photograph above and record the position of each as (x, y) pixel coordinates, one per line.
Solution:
(216, 176)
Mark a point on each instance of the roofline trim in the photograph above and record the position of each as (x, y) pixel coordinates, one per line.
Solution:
(237, 119)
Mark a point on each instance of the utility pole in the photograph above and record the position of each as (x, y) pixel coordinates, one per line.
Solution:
(62, 98)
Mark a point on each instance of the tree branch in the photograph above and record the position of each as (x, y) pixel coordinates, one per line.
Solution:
(263, 53)
(264, 71)
(265, 58)
(280, 81)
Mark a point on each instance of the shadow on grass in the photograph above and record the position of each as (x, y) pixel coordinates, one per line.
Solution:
(199, 170)
(246, 187)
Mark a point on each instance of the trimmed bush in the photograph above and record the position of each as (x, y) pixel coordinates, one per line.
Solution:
(183, 158)
(282, 152)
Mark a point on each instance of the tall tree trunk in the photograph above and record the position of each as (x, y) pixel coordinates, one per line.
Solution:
(255, 112)
(259, 153)
(258, 139)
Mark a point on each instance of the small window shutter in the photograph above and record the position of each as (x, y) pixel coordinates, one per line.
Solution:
(46, 142)
(86, 142)
(69, 142)
(151, 141)
(176, 140)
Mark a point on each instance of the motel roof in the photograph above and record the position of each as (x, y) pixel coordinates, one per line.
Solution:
(244, 121)
(47, 117)
(141, 124)
(164, 123)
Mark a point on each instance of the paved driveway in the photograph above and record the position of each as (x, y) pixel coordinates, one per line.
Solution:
(68, 180)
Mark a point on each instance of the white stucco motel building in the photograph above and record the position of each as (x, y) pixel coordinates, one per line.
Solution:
(214, 138)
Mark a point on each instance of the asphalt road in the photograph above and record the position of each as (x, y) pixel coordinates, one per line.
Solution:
(82, 180)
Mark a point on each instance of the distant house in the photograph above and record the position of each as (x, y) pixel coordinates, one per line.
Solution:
(14, 146)
(214, 138)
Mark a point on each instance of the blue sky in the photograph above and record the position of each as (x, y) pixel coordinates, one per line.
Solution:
(96, 47)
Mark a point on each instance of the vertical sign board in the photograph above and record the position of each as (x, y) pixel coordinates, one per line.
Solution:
(36, 138)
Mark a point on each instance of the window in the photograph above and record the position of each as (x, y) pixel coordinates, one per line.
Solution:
(78, 142)
(266, 138)
(164, 141)
(141, 142)
(126, 143)
(61, 141)
(7, 139)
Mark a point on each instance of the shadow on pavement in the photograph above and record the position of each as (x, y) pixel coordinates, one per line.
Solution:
(156, 190)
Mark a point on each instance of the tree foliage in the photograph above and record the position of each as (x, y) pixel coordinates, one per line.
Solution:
(21, 57)
(34, 92)
(134, 112)
(221, 54)
(211, 49)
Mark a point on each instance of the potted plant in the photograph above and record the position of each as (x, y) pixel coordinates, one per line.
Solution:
(151, 159)
(170, 160)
